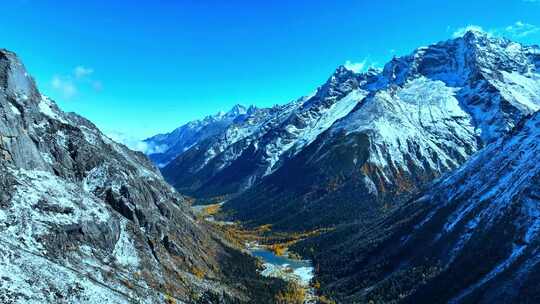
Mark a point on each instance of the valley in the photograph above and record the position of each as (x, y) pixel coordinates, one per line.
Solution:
(270, 248)
(414, 182)
(339, 176)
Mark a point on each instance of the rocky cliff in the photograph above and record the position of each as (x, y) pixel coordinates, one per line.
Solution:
(84, 219)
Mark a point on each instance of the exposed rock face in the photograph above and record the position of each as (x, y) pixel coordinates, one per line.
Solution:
(473, 237)
(425, 114)
(84, 219)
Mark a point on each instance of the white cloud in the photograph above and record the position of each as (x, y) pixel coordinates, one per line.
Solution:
(81, 71)
(65, 86)
(135, 143)
(521, 29)
(355, 66)
(68, 85)
(129, 141)
(462, 30)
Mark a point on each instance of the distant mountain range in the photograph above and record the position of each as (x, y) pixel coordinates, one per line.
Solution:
(364, 141)
(426, 170)
(166, 147)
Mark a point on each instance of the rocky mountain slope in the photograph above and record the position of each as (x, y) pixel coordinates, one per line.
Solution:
(84, 219)
(421, 116)
(472, 237)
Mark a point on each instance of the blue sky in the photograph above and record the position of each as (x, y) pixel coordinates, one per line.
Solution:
(137, 68)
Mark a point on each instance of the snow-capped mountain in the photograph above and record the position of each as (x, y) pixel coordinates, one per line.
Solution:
(213, 166)
(86, 220)
(472, 237)
(488, 83)
(163, 148)
(423, 115)
(248, 151)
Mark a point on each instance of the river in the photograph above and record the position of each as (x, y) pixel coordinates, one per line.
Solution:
(283, 267)
(291, 270)
(300, 271)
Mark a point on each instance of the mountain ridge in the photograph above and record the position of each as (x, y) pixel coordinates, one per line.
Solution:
(409, 130)
(275, 143)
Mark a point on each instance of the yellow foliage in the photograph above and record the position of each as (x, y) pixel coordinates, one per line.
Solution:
(278, 249)
(169, 300)
(293, 294)
(128, 284)
(199, 273)
(265, 228)
(277, 241)
(212, 209)
(325, 300)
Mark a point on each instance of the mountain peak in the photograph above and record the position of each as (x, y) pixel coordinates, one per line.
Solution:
(252, 109)
(475, 37)
(184, 137)
(342, 70)
(14, 78)
(237, 109)
(475, 33)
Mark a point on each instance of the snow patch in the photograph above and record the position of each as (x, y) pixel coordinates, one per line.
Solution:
(46, 108)
(124, 250)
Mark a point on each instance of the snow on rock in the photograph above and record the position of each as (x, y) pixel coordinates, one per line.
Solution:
(41, 205)
(41, 200)
(479, 223)
(425, 114)
(312, 128)
(163, 148)
(269, 136)
(522, 90)
(55, 284)
(124, 249)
